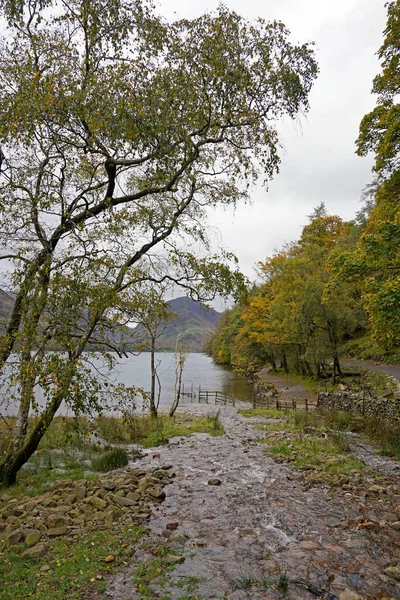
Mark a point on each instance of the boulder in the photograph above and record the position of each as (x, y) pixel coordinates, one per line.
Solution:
(35, 552)
(32, 538)
(156, 492)
(57, 531)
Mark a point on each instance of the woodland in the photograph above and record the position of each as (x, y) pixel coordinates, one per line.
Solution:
(337, 288)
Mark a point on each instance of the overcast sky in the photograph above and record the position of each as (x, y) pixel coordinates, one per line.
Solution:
(319, 161)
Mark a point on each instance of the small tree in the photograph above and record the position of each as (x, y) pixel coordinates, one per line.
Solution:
(152, 315)
(180, 357)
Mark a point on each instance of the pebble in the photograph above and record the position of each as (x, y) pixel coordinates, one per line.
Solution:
(109, 558)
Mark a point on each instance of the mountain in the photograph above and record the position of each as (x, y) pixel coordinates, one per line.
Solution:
(194, 323)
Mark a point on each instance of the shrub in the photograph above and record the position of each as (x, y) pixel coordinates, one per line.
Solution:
(113, 459)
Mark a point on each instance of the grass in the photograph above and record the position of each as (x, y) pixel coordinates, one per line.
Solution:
(311, 384)
(156, 571)
(112, 459)
(364, 348)
(39, 478)
(76, 566)
(268, 413)
(247, 581)
(70, 448)
(150, 432)
(313, 441)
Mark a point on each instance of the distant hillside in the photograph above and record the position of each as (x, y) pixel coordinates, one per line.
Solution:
(194, 323)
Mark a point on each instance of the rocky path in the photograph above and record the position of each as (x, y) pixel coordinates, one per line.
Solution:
(246, 524)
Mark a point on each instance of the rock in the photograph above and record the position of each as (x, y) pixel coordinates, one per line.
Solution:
(69, 499)
(157, 493)
(80, 492)
(78, 531)
(171, 559)
(109, 558)
(35, 552)
(14, 536)
(49, 503)
(395, 525)
(5, 497)
(112, 515)
(44, 569)
(394, 572)
(133, 496)
(57, 531)
(177, 537)
(172, 526)
(56, 520)
(32, 538)
(122, 501)
(214, 482)
(109, 485)
(98, 503)
(62, 484)
(377, 489)
(349, 595)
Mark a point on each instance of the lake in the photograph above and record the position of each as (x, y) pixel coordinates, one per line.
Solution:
(199, 370)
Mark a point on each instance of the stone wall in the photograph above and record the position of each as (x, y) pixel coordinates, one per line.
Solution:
(356, 402)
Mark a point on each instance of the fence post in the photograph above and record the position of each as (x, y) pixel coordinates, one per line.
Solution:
(293, 404)
(277, 404)
(306, 404)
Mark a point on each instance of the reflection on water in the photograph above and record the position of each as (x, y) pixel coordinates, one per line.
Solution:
(199, 370)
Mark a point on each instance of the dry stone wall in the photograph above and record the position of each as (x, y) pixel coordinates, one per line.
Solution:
(356, 402)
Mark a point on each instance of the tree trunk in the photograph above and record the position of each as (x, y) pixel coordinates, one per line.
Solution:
(153, 408)
(272, 361)
(27, 384)
(15, 460)
(284, 362)
(177, 392)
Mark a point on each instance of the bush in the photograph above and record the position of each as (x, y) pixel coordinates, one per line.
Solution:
(113, 459)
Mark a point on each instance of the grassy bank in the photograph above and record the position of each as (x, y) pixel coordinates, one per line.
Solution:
(73, 569)
(78, 448)
(326, 435)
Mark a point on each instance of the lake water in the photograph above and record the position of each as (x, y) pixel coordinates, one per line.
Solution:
(199, 370)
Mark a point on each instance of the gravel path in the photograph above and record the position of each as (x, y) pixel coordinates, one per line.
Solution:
(261, 521)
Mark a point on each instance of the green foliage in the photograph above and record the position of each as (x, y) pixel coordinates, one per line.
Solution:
(295, 317)
(74, 565)
(111, 120)
(268, 413)
(112, 459)
(375, 261)
(154, 431)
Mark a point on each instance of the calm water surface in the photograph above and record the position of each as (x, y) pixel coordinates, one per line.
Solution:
(199, 370)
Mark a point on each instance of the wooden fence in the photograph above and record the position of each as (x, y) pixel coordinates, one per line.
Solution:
(211, 397)
(279, 404)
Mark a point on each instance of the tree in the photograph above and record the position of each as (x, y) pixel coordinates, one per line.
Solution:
(380, 129)
(180, 357)
(153, 314)
(117, 132)
(375, 263)
(294, 316)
